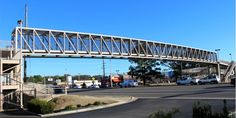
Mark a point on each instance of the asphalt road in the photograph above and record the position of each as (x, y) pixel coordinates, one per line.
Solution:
(163, 98)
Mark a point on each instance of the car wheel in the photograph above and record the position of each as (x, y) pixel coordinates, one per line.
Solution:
(191, 83)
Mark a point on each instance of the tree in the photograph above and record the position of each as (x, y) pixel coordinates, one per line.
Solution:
(144, 69)
(36, 79)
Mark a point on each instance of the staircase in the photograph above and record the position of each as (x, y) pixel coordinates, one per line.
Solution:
(10, 79)
(230, 71)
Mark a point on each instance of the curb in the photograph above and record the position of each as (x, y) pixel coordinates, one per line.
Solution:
(132, 99)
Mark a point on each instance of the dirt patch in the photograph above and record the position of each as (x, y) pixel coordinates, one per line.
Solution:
(62, 101)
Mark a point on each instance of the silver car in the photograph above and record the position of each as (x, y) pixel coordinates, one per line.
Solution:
(211, 79)
(187, 80)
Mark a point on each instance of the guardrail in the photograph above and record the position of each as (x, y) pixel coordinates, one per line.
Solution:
(8, 79)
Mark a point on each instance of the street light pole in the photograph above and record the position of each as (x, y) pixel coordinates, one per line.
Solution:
(218, 62)
(110, 75)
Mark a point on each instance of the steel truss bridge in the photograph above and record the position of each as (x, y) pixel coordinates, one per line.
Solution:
(35, 42)
(46, 43)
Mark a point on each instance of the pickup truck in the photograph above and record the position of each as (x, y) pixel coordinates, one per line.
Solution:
(187, 80)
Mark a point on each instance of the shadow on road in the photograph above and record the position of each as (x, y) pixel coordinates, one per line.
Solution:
(195, 93)
(17, 113)
(221, 87)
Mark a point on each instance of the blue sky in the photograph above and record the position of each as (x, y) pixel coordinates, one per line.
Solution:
(206, 24)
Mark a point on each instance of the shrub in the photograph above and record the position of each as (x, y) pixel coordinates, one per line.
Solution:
(162, 114)
(204, 111)
(70, 107)
(89, 104)
(40, 106)
(79, 105)
(97, 103)
(201, 111)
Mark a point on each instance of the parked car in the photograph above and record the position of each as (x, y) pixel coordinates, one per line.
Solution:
(77, 86)
(187, 80)
(58, 90)
(129, 83)
(94, 86)
(211, 79)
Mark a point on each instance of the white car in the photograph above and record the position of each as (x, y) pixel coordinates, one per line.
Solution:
(94, 86)
(211, 79)
(187, 80)
(77, 86)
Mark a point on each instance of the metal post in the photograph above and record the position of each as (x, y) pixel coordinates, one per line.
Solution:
(66, 84)
(25, 67)
(79, 76)
(110, 75)
(21, 78)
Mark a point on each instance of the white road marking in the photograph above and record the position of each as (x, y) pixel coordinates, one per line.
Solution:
(190, 98)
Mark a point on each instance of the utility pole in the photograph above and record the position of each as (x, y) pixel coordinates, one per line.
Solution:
(103, 69)
(27, 38)
(110, 75)
(78, 76)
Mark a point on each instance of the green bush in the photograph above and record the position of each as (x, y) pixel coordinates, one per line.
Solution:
(40, 106)
(162, 114)
(70, 107)
(205, 111)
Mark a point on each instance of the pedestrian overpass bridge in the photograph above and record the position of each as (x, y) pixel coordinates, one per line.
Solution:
(35, 42)
(46, 43)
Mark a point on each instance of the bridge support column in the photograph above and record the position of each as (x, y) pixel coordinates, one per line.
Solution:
(218, 70)
(181, 68)
(25, 72)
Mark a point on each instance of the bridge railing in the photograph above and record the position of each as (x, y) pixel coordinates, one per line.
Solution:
(9, 79)
(6, 48)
